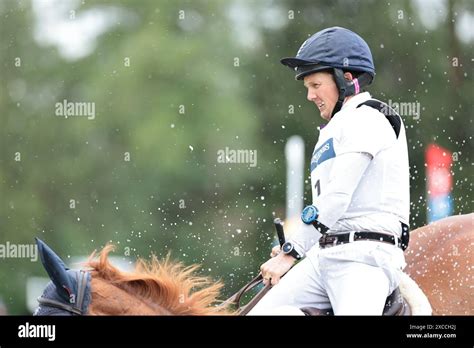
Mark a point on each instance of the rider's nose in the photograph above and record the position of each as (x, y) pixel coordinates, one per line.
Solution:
(311, 95)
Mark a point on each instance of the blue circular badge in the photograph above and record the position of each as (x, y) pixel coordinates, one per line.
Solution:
(309, 214)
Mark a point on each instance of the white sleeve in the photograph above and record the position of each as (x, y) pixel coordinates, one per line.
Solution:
(346, 172)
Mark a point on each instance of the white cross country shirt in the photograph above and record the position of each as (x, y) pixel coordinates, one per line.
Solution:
(359, 173)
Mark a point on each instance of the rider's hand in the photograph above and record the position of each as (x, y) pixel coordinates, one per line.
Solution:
(276, 267)
(275, 251)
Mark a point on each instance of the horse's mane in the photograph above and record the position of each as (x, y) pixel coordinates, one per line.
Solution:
(170, 285)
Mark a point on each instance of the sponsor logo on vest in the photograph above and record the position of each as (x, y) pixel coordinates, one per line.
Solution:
(318, 154)
(322, 153)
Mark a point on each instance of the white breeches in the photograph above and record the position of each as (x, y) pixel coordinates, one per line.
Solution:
(353, 279)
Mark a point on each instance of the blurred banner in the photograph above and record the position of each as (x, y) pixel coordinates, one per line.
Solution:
(439, 182)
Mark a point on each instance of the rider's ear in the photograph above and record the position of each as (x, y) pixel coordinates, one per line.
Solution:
(56, 269)
(348, 76)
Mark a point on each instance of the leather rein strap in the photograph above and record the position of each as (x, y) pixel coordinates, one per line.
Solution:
(235, 299)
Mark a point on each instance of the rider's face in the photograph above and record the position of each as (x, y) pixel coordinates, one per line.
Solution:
(322, 91)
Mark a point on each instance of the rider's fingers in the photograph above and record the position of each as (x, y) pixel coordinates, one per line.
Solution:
(275, 280)
(266, 277)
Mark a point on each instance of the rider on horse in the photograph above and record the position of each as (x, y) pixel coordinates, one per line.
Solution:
(360, 188)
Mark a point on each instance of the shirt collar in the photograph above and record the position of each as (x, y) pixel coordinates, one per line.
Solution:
(356, 100)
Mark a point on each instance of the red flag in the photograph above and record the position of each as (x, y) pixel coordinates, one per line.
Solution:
(439, 178)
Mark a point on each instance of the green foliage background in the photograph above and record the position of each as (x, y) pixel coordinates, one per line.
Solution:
(173, 195)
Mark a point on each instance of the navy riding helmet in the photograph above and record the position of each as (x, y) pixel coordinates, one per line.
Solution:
(335, 49)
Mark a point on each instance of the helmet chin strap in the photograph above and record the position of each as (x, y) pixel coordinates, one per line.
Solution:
(347, 88)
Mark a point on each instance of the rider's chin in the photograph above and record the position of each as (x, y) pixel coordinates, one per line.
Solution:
(324, 114)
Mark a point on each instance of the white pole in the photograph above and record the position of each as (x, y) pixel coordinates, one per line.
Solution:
(294, 153)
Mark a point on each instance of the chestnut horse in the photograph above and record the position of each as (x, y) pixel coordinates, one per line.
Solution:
(439, 260)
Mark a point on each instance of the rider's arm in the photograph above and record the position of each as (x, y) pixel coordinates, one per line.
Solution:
(346, 172)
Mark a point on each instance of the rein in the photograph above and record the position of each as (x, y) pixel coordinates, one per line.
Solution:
(235, 298)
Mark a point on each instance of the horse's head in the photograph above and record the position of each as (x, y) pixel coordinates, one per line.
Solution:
(154, 288)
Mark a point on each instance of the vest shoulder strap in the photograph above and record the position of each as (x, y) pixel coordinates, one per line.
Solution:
(390, 114)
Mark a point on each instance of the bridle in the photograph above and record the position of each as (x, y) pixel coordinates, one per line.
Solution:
(78, 303)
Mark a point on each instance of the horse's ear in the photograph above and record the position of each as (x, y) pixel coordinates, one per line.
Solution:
(56, 269)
